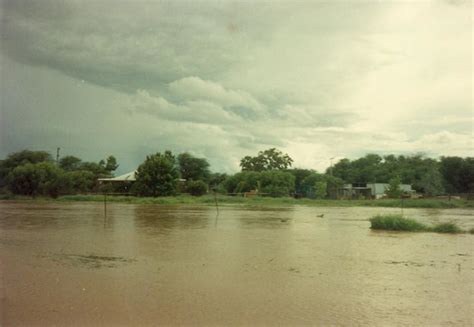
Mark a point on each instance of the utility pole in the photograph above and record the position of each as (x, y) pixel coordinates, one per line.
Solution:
(57, 156)
(330, 159)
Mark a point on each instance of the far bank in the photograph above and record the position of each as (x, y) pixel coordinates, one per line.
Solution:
(211, 200)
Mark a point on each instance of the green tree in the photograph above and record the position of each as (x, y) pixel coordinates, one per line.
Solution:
(111, 164)
(300, 175)
(216, 181)
(157, 175)
(70, 163)
(276, 183)
(20, 158)
(42, 178)
(196, 188)
(320, 189)
(393, 190)
(192, 168)
(432, 182)
(271, 159)
(80, 181)
(458, 174)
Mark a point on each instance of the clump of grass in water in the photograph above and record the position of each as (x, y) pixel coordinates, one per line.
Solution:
(446, 228)
(397, 223)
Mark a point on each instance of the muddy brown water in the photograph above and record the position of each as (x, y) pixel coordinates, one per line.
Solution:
(63, 264)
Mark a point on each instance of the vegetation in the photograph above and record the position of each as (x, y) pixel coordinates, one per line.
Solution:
(271, 159)
(208, 199)
(34, 173)
(446, 228)
(426, 175)
(396, 222)
(394, 191)
(399, 223)
(192, 168)
(196, 188)
(157, 175)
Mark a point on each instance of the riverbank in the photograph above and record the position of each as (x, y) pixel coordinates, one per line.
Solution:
(259, 201)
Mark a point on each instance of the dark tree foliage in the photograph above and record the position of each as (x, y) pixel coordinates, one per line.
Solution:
(271, 159)
(192, 168)
(196, 188)
(157, 175)
(300, 175)
(34, 173)
(70, 163)
(20, 158)
(458, 174)
(273, 183)
(216, 180)
(42, 178)
(312, 182)
(420, 172)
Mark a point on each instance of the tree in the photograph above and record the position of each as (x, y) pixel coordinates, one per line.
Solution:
(70, 163)
(432, 182)
(458, 174)
(192, 168)
(271, 159)
(216, 180)
(157, 175)
(20, 158)
(196, 188)
(111, 164)
(274, 182)
(34, 179)
(300, 175)
(393, 190)
(320, 189)
(80, 181)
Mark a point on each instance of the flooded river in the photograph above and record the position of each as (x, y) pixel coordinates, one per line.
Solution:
(64, 264)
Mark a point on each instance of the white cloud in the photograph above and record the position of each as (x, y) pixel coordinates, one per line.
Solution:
(227, 79)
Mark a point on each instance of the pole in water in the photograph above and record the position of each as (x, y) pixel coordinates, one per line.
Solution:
(105, 207)
(217, 209)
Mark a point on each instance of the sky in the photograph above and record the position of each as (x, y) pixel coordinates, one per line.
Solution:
(226, 79)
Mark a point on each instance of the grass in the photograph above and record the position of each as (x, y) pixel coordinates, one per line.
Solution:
(399, 223)
(252, 201)
(447, 228)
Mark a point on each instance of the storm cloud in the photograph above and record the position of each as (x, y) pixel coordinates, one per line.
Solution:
(226, 79)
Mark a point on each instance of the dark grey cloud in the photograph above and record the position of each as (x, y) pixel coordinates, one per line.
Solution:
(226, 79)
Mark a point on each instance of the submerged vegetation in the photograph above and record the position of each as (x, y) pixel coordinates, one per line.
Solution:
(399, 223)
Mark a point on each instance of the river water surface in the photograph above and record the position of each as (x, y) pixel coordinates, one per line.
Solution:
(64, 264)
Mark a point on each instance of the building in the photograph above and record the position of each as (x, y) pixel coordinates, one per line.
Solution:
(369, 190)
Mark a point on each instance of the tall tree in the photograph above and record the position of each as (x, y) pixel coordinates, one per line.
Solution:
(70, 163)
(157, 175)
(192, 168)
(271, 159)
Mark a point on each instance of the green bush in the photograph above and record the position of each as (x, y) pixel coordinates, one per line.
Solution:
(196, 188)
(397, 223)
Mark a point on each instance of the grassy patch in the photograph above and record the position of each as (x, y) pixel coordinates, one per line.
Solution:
(447, 228)
(399, 223)
(258, 201)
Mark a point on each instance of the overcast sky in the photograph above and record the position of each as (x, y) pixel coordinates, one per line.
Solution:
(227, 79)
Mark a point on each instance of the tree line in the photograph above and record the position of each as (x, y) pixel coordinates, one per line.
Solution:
(268, 173)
